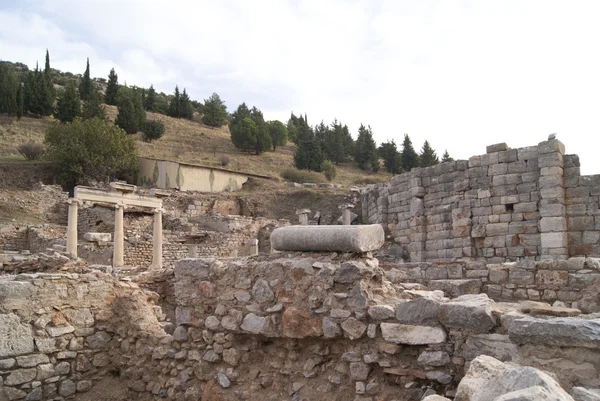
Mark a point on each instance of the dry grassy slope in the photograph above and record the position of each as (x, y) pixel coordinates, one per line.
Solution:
(185, 141)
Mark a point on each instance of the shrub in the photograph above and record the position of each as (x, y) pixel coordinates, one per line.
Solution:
(371, 180)
(32, 151)
(224, 160)
(153, 129)
(302, 176)
(329, 170)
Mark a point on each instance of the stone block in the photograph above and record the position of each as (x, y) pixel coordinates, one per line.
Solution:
(553, 224)
(554, 240)
(497, 147)
(498, 169)
(520, 276)
(553, 210)
(419, 311)
(581, 223)
(412, 335)
(15, 337)
(97, 237)
(550, 160)
(496, 229)
(559, 332)
(551, 146)
(507, 156)
(470, 312)
(455, 288)
(506, 179)
(552, 277)
(362, 238)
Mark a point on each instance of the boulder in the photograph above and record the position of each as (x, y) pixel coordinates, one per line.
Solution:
(470, 312)
(560, 332)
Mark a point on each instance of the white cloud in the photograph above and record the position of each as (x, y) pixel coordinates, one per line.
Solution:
(462, 74)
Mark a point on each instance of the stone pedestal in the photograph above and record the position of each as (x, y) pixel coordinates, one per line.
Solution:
(346, 213)
(303, 216)
(72, 227)
(118, 238)
(157, 240)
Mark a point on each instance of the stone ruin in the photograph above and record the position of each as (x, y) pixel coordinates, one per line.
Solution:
(319, 317)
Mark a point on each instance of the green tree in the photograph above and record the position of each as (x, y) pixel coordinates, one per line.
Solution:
(131, 116)
(243, 136)
(91, 149)
(47, 88)
(92, 107)
(20, 101)
(175, 104)
(292, 130)
(428, 157)
(337, 143)
(68, 106)
(9, 86)
(446, 157)
(391, 157)
(86, 84)
(308, 155)
(185, 106)
(409, 157)
(150, 99)
(366, 150)
(215, 111)
(244, 133)
(112, 88)
(329, 170)
(153, 129)
(278, 133)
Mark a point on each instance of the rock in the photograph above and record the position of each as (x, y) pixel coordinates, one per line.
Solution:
(435, 397)
(255, 324)
(35, 395)
(98, 340)
(330, 328)
(212, 323)
(298, 323)
(359, 370)
(20, 376)
(354, 328)
(97, 237)
(349, 272)
(489, 379)
(63, 368)
(554, 311)
(223, 380)
(497, 345)
(561, 332)
(59, 331)
(438, 376)
(11, 394)
(526, 306)
(15, 337)
(583, 394)
(412, 335)
(357, 238)
(84, 386)
(433, 358)
(471, 312)
(456, 288)
(262, 292)
(381, 312)
(229, 323)
(420, 312)
(32, 360)
(211, 356)
(231, 356)
(67, 388)
(180, 334)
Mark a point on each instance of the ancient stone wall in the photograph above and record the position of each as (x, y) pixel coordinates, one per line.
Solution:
(509, 204)
(13, 237)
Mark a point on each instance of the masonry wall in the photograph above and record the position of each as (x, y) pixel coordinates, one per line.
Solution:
(509, 204)
(13, 237)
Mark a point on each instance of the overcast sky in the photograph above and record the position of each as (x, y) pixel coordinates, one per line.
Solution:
(462, 74)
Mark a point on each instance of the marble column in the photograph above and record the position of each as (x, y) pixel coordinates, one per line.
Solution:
(157, 240)
(72, 227)
(119, 247)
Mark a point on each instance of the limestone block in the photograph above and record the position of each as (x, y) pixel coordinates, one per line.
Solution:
(455, 288)
(328, 238)
(496, 229)
(497, 147)
(506, 179)
(581, 223)
(517, 167)
(551, 181)
(554, 240)
(550, 160)
(560, 332)
(471, 312)
(551, 146)
(419, 311)
(552, 277)
(15, 337)
(412, 335)
(498, 169)
(508, 156)
(552, 210)
(497, 345)
(98, 237)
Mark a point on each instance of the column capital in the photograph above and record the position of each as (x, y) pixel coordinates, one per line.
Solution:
(75, 201)
(159, 210)
(119, 206)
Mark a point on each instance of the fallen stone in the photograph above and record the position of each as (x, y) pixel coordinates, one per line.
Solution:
(554, 311)
(470, 312)
(526, 306)
(412, 335)
(359, 238)
(561, 332)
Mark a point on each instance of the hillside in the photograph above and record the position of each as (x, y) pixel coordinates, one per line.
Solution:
(184, 140)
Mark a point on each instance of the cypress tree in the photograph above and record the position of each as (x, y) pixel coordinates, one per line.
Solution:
(150, 99)
(85, 86)
(174, 105)
(428, 157)
(126, 118)
(138, 106)
(9, 85)
(68, 105)
(366, 150)
(112, 87)
(47, 90)
(185, 106)
(20, 101)
(92, 107)
(409, 157)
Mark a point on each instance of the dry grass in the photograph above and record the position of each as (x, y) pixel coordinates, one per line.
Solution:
(184, 141)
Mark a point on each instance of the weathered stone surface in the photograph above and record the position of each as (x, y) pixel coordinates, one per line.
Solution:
(381, 312)
(262, 292)
(67, 388)
(360, 238)
(255, 324)
(435, 397)
(97, 237)
(497, 345)
(20, 376)
(60, 330)
(298, 323)
(471, 312)
(15, 337)
(420, 312)
(350, 272)
(412, 335)
(455, 288)
(353, 328)
(29, 361)
(331, 329)
(561, 332)
(583, 394)
(359, 370)
(433, 358)
(554, 311)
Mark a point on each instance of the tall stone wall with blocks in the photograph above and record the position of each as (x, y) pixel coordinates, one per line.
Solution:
(506, 205)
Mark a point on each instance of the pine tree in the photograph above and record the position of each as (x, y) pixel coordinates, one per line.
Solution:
(68, 106)
(150, 99)
(215, 111)
(391, 157)
(92, 108)
(9, 85)
(112, 87)
(249, 137)
(428, 157)
(278, 133)
(446, 157)
(309, 155)
(85, 86)
(409, 157)
(20, 101)
(185, 106)
(174, 105)
(366, 150)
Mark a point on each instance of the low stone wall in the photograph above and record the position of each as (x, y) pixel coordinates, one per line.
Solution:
(574, 281)
(13, 237)
(26, 174)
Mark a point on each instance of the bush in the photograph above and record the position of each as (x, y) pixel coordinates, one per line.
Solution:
(371, 180)
(32, 151)
(302, 176)
(91, 149)
(153, 130)
(224, 160)
(329, 170)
